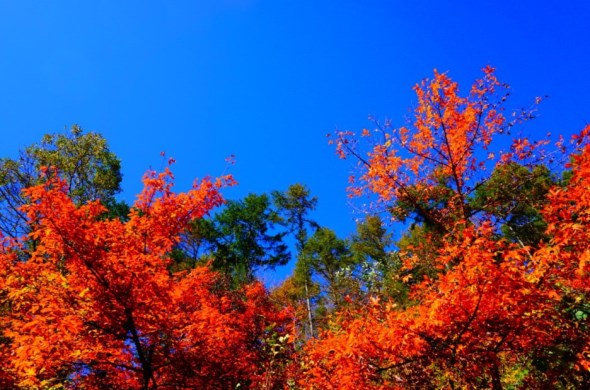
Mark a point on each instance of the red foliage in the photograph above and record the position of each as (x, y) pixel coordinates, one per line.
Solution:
(496, 313)
(498, 308)
(96, 306)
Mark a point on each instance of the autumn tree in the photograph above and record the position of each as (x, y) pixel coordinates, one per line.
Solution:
(561, 267)
(430, 170)
(494, 310)
(502, 317)
(96, 305)
(434, 173)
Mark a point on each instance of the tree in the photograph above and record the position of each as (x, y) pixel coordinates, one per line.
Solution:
(85, 163)
(429, 170)
(381, 266)
(473, 324)
(495, 311)
(239, 239)
(247, 241)
(515, 195)
(561, 267)
(294, 205)
(502, 317)
(328, 259)
(96, 305)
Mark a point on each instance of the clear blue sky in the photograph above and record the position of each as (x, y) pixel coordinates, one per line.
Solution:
(265, 80)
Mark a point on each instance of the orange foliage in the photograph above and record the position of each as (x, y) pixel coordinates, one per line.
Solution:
(563, 265)
(97, 307)
(483, 313)
(497, 308)
(431, 167)
(495, 313)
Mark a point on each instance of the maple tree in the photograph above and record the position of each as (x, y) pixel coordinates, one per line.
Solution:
(561, 266)
(501, 317)
(430, 169)
(96, 305)
(494, 311)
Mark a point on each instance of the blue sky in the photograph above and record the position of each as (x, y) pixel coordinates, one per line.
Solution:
(267, 80)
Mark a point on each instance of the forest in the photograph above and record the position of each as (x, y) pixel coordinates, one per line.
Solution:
(469, 269)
